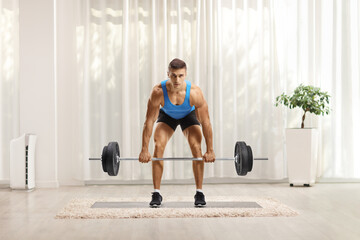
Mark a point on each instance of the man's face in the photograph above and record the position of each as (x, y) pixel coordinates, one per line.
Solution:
(177, 77)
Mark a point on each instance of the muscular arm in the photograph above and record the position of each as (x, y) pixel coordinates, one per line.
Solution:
(151, 116)
(202, 113)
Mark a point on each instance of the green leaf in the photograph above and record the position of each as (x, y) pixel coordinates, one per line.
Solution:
(308, 98)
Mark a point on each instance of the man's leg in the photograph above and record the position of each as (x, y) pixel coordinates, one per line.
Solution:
(194, 136)
(162, 134)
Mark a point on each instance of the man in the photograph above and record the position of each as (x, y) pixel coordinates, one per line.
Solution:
(182, 104)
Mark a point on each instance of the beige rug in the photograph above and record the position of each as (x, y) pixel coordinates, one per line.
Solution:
(80, 208)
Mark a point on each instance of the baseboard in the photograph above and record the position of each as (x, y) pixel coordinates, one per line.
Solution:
(338, 180)
(71, 183)
(4, 183)
(214, 181)
(184, 181)
(46, 184)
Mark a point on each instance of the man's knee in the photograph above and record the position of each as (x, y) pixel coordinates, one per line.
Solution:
(157, 165)
(195, 145)
(159, 146)
(195, 148)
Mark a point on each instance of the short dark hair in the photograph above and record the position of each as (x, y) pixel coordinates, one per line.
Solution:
(177, 64)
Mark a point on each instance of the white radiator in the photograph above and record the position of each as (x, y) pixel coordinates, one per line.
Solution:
(22, 162)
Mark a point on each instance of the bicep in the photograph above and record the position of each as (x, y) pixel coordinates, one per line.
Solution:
(152, 108)
(202, 113)
(201, 106)
(152, 111)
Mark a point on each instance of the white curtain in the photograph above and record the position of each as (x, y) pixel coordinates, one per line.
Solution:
(9, 74)
(242, 54)
(317, 42)
(124, 48)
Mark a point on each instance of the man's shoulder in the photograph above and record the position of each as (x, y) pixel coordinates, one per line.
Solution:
(196, 95)
(156, 92)
(195, 89)
(157, 88)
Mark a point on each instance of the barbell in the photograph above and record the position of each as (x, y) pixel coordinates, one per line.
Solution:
(243, 158)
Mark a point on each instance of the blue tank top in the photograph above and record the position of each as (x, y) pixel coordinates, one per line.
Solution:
(177, 111)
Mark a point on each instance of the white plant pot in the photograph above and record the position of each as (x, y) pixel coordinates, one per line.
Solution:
(301, 148)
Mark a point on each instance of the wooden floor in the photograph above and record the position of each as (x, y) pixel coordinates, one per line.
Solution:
(327, 211)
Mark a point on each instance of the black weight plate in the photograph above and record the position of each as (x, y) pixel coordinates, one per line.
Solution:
(241, 151)
(245, 158)
(238, 165)
(112, 165)
(117, 162)
(103, 161)
(110, 152)
(251, 159)
(237, 161)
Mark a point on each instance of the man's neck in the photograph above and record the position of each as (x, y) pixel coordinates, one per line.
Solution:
(171, 88)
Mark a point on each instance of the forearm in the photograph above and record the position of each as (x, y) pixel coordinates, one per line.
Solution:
(147, 131)
(208, 135)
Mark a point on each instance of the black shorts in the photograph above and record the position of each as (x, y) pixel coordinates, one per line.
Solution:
(185, 122)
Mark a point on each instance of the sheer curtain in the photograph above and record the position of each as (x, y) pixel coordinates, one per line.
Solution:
(9, 122)
(242, 54)
(318, 44)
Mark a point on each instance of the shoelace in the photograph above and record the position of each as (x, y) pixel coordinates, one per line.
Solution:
(156, 196)
(200, 196)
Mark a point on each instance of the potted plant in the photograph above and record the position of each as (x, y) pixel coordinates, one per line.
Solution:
(301, 143)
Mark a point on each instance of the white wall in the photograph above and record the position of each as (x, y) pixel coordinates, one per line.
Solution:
(69, 121)
(37, 85)
(48, 89)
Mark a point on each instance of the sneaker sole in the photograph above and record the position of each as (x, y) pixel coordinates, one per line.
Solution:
(200, 205)
(155, 206)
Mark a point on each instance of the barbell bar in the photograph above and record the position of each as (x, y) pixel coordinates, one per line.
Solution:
(243, 158)
(173, 159)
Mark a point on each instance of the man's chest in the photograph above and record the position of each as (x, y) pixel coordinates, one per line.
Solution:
(177, 98)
